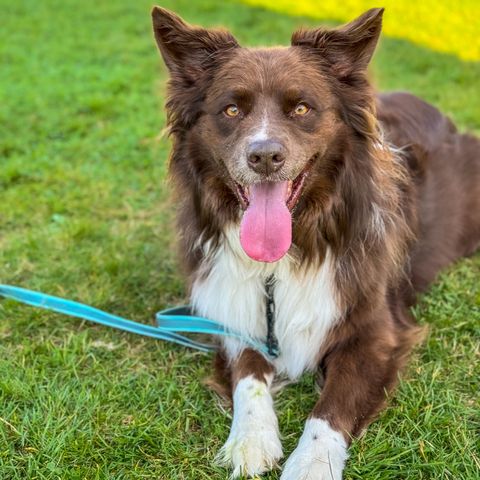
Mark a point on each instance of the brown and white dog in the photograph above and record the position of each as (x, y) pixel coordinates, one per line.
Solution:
(288, 167)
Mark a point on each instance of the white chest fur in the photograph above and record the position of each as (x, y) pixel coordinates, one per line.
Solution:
(233, 293)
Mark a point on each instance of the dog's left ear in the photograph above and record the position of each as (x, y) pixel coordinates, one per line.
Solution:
(187, 50)
(346, 49)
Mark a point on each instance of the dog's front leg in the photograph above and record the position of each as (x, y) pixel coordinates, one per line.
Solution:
(358, 371)
(253, 446)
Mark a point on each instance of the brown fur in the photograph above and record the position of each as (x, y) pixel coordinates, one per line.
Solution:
(392, 218)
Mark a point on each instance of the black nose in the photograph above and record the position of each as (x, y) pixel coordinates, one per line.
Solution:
(266, 156)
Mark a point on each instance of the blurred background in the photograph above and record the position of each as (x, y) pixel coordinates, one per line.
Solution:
(85, 213)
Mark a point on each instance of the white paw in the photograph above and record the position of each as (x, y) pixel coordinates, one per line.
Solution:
(253, 446)
(251, 452)
(320, 455)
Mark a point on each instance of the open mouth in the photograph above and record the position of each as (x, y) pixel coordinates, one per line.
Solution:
(266, 225)
(293, 193)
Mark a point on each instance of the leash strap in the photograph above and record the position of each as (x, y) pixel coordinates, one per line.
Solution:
(169, 322)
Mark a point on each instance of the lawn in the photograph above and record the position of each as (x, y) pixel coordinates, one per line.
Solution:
(86, 214)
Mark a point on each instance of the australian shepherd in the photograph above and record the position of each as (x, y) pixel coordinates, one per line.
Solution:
(311, 213)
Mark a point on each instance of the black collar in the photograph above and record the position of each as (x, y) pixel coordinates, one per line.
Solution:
(272, 342)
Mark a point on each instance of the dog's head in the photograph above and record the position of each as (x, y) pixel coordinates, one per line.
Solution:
(268, 122)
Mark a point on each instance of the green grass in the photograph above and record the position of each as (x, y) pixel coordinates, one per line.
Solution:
(85, 213)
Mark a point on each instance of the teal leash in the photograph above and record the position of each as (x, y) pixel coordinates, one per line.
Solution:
(169, 322)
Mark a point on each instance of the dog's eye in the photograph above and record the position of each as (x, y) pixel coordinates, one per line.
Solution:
(301, 109)
(232, 111)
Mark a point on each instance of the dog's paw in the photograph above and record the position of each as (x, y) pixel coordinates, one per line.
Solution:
(320, 455)
(253, 446)
(252, 451)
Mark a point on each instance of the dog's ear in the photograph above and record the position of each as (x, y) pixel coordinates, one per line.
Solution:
(187, 50)
(346, 49)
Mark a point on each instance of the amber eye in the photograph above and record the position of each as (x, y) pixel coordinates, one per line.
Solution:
(301, 109)
(232, 111)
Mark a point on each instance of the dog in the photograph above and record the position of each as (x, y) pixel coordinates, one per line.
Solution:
(311, 212)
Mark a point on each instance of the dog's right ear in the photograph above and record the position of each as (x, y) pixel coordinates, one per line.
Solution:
(188, 51)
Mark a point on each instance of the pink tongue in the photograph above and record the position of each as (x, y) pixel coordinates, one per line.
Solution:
(266, 228)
